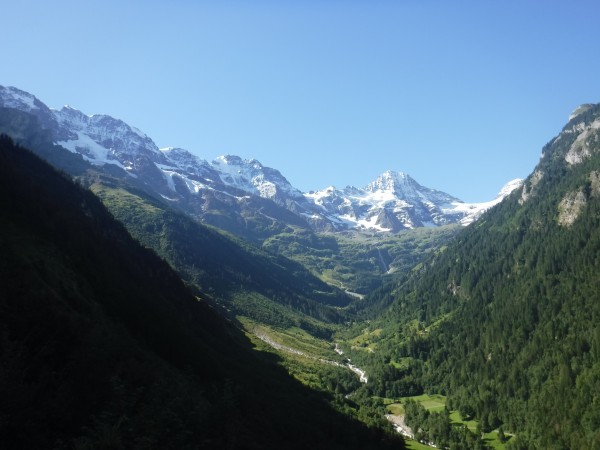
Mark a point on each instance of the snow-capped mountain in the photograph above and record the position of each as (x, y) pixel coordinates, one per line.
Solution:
(395, 201)
(472, 211)
(243, 190)
(102, 139)
(251, 176)
(11, 97)
(17, 99)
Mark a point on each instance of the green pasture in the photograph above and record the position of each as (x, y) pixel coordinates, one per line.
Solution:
(437, 403)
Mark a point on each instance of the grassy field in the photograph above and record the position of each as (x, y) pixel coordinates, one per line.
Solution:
(366, 341)
(455, 419)
(396, 409)
(490, 438)
(437, 403)
(402, 363)
(432, 403)
(414, 445)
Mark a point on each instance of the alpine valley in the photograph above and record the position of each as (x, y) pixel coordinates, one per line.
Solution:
(154, 299)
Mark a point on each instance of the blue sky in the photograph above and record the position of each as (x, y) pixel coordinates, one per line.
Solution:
(461, 95)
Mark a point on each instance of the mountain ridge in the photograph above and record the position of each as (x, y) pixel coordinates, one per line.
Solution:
(178, 176)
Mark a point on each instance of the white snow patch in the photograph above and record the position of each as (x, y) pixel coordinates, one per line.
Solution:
(15, 98)
(169, 174)
(166, 167)
(90, 150)
(371, 224)
(473, 211)
(193, 185)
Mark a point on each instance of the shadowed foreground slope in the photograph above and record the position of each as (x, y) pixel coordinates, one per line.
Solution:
(102, 346)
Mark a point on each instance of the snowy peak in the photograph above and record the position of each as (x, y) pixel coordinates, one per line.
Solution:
(237, 162)
(251, 176)
(405, 187)
(72, 116)
(99, 139)
(11, 97)
(183, 159)
(395, 201)
(473, 211)
(188, 167)
(509, 187)
(120, 141)
(390, 181)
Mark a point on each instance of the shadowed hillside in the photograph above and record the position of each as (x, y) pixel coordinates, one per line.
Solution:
(102, 345)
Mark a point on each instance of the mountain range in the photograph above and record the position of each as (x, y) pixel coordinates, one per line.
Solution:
(236, 194)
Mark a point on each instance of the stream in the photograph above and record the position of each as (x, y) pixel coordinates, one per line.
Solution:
(361, 373)
(396, 420)
(383, 264)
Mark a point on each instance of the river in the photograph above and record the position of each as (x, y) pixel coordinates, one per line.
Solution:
(361, 373)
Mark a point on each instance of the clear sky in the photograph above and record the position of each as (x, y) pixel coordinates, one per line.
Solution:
(461, 95)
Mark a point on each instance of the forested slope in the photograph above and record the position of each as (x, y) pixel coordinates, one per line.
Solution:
(239, 276)
(506, 319)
